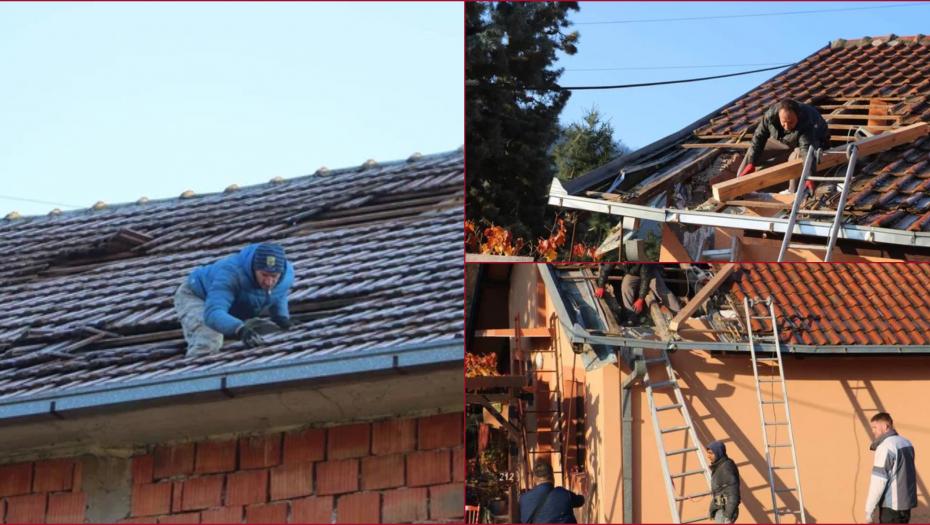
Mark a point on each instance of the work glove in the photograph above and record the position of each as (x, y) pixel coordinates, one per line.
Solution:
(638, 306)
(599, 293)
(249, 337)
(810, 186)
(284, 323)
(748, 169)
(868, 518)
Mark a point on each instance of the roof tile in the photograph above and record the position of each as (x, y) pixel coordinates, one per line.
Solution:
(850, 304)
(113, 321)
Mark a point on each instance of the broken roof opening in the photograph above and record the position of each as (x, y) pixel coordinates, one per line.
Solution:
(862, 88)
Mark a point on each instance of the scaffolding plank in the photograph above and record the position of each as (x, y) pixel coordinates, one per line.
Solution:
(476, 383)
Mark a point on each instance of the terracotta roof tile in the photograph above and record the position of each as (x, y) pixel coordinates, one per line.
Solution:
(839, 304)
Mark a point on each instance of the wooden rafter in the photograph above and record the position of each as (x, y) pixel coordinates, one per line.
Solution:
(702, 296)
(786, 171)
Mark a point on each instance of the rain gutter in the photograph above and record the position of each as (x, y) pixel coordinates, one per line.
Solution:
(853, 232)
(579, 334)
(230, 381)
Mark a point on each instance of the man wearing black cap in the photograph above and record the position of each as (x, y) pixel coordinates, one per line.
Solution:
(546, 503)
(724, 484)
(218, 298)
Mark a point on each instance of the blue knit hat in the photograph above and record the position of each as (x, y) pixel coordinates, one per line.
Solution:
(269, 258)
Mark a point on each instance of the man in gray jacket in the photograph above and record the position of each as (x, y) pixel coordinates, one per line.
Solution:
(894, 475)
(788, 129)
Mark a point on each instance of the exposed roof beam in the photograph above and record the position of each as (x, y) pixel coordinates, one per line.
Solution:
(702, 296)
(579, 334)
(792, 169)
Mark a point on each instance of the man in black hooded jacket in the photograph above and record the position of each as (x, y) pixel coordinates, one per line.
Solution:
(724, 484)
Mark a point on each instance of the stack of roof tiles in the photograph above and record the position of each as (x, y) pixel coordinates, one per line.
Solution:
(377, 252)
(838, 304)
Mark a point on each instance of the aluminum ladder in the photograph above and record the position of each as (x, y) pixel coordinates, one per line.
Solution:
(776, 361)
(852, 153)
(695, 445)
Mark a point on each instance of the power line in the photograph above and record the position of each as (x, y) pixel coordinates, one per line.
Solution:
(676, 67)
(916, 4)
(472, 84)
(39, 202)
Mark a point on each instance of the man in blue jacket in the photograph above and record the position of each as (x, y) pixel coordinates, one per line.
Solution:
(547, 503)
(218, 299)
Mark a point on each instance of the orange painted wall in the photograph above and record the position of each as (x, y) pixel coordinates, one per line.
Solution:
(831, 400)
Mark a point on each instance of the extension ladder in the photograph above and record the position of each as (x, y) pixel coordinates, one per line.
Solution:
(695, 446)
(852, 153)
(777, 362)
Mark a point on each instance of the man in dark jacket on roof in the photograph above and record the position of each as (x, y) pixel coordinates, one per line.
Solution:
(219, 299)
(638, 280)
(788, 129)
(724, 484)
(546, 503)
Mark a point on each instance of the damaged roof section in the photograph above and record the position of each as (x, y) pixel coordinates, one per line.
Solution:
(879, 84)
(114, 323)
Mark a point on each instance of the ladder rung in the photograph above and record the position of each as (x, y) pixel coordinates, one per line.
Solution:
(806, 247)
(698, 495)
(760, 317)
(668, 407)
(674, 429)
(770, 380)
(663, 384)
(654, 360)
(779, 446)
(789, 512)
(773, 402)
(778, 423)
(823, 179)
(695, 520)
(689, 473)
(784, 467)
(785, 490)
(681, 451)
(766, 359)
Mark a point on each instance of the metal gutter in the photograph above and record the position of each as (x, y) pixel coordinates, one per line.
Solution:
(580, 335)
(559, 197)
(611, 169)
(232, 380)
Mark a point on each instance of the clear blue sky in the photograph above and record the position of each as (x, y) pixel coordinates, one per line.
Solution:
(113, 101)
(641, 116)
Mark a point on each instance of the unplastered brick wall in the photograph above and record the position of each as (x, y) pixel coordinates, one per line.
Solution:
(394, 471)
(42, 492)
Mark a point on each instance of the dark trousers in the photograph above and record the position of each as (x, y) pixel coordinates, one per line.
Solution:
(894, 516)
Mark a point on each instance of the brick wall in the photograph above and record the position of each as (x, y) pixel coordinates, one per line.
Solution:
(394, 471)
(42, 492)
